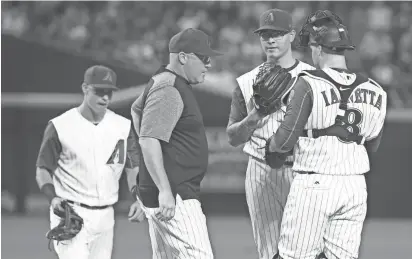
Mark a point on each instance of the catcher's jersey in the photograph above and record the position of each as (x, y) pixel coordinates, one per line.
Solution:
(365, 114)
(255, 146)
(92, 157)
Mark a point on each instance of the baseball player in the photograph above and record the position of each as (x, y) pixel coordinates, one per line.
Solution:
(173, 141)
(266, 188)
(326, 206)
(81, 159)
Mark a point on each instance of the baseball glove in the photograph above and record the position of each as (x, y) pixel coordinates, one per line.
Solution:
(274, 159)
(269, 87)
(70, 224)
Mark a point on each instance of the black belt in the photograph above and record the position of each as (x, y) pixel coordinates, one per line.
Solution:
(303, 172)
(87, 206)
(286, 163)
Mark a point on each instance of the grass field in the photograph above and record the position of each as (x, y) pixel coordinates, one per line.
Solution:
(23, 237)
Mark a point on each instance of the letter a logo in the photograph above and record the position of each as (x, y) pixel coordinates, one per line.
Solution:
(108, 77)
(117, 156)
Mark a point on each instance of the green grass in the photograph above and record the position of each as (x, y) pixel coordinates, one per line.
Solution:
(23, 237)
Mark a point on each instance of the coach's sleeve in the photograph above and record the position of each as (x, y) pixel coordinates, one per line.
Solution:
(136, 112)
(162, 110)
(50, 149)
(299, 107)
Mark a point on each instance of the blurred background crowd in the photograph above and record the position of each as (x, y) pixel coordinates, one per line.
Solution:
(136, 34)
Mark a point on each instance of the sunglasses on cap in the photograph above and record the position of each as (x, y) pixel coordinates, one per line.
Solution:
(205, 59)
(101, 91)
(266, 35)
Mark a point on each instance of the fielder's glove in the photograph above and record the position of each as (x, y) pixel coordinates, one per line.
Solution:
(269, 87)
(70, 224)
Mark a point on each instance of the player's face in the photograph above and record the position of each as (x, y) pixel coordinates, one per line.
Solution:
(276, 44)
(98, 99)
(196, 67)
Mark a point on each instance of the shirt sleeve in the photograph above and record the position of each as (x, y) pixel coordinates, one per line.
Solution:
(50, 149)
(161, 112)
(133, 151)
(373, 144)
(299, 107)
(238, 110)
(136, 112)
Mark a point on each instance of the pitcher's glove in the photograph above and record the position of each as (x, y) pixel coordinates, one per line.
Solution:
(274, 159)
(70, 225)
(269, 87)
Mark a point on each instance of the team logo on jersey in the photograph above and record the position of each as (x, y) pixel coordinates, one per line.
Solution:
(108, 77)
(117, 156)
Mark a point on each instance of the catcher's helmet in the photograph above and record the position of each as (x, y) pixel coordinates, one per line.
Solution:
(327, 30)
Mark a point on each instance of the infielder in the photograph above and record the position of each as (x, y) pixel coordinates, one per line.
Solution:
(173, 141)
(326, 206)
(81, 159)
(266, 188)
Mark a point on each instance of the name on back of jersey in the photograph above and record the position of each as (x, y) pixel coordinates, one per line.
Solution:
(359, 95)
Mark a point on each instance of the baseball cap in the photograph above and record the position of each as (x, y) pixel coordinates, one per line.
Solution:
(101, 77)
(192, 41)
(275, 19)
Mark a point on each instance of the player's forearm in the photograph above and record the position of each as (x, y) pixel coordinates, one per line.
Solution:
(153, 159)
(131, 175)
(240, 132)
(45, 183)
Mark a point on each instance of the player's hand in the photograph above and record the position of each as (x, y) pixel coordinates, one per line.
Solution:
(56, 204)
(167, 206)
(136, 213)
(259, 118)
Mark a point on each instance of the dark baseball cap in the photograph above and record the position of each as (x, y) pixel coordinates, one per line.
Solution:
(101, 77)
(192, 41)
(275, 19)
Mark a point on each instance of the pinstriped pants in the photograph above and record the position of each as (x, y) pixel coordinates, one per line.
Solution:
(266, 193)
(185, 236)
(324, 213)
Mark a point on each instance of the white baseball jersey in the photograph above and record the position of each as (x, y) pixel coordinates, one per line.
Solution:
(258, 140)
(266, 188)
(92, 157)
(365, 114)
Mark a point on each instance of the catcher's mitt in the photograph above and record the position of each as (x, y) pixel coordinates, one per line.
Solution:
(70, 224)
(269, 87)
(274, 159)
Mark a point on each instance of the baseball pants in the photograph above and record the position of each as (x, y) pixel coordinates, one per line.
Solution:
(323, 213)
(94, 241)
(185, 236)
(266, 193)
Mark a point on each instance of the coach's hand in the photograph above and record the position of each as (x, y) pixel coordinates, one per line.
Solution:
(166, 206)
(136, 213)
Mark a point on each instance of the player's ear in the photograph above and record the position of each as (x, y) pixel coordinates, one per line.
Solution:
(292, 35)
(84, 88)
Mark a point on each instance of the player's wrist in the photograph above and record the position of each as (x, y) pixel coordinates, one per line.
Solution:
(253, 119)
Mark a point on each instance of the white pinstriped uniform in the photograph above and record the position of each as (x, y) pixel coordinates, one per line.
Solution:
(88, 174)
(326, 210)
(185, 236)
(266, 188)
